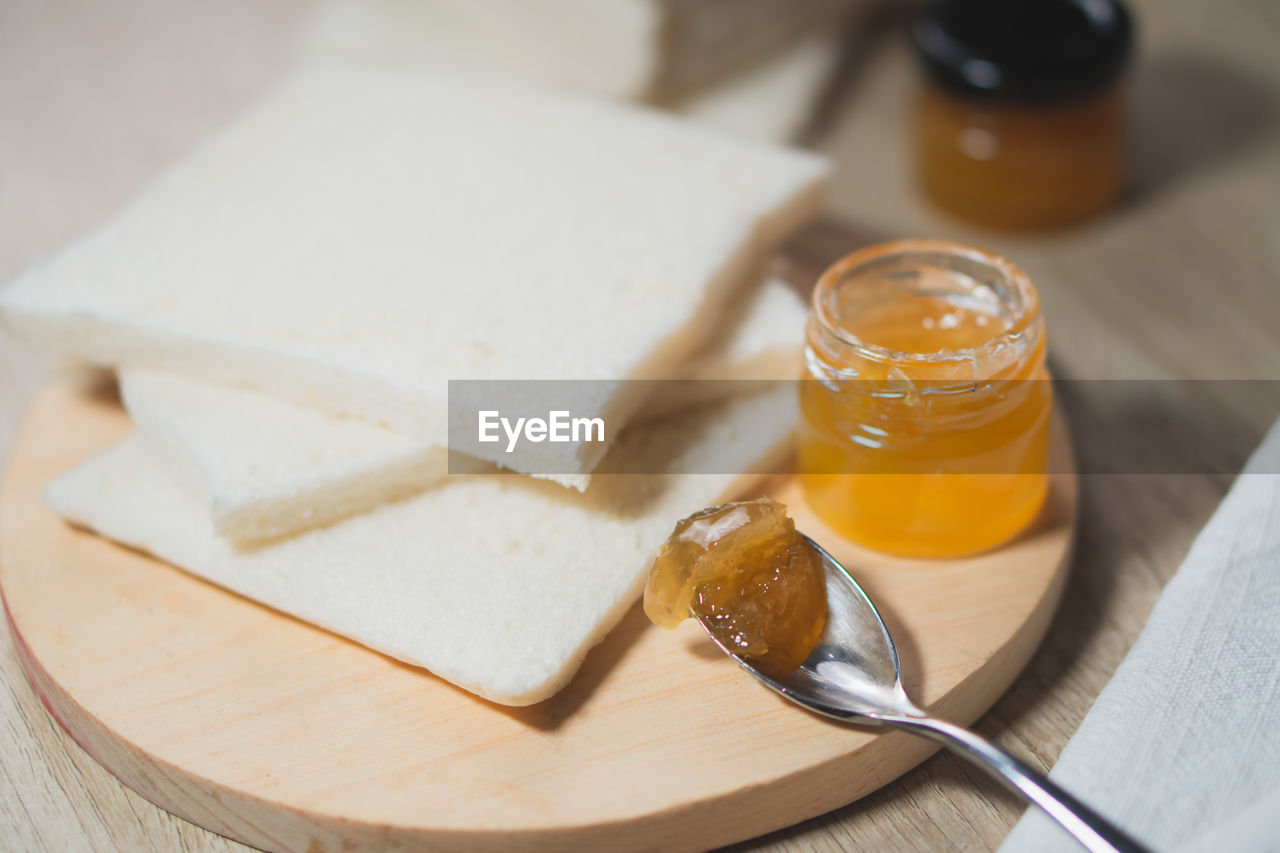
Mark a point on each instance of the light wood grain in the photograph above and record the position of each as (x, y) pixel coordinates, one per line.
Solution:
(267, 730)
(1180, 282)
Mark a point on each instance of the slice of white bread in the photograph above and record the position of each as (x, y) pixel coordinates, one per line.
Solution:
(774, 100)
(655, 50)
(769, 99)
(498, 583)
(761, 338)
(765, 341)
(265, 467)
(360, 236)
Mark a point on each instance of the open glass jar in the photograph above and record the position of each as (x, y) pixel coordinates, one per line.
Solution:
(925, 416)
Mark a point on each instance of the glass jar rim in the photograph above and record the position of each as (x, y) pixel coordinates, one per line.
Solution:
(1024, 318)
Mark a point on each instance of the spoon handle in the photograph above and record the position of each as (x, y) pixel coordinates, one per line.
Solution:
(1092, 830)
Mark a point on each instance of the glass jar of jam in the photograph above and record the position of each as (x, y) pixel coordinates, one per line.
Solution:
(1021, 123)
(925, 416)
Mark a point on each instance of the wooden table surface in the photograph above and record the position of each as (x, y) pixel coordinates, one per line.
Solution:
(1181, 282)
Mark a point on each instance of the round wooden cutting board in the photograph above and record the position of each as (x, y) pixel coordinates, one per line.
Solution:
(286, 737)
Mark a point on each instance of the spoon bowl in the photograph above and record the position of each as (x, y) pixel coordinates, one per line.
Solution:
(853, 671)
(853, 675)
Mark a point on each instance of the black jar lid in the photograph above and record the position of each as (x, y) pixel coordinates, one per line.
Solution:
(1024, 51)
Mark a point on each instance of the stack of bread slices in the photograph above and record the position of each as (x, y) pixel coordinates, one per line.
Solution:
(286, 306)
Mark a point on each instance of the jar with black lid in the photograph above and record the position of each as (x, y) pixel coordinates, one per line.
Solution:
(1022, 120)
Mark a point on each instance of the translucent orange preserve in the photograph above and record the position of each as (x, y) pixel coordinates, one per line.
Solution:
(1022, 167)
(754, 581)
(925, 426)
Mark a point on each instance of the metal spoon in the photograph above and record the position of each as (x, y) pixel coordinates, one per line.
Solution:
(853, 676)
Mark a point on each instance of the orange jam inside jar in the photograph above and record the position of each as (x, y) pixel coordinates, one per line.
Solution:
(1022, 121)
(925, 417)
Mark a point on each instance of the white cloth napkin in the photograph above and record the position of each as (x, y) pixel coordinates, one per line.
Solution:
(1183, 745)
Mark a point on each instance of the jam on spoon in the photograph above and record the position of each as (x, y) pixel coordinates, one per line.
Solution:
(754, 582)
